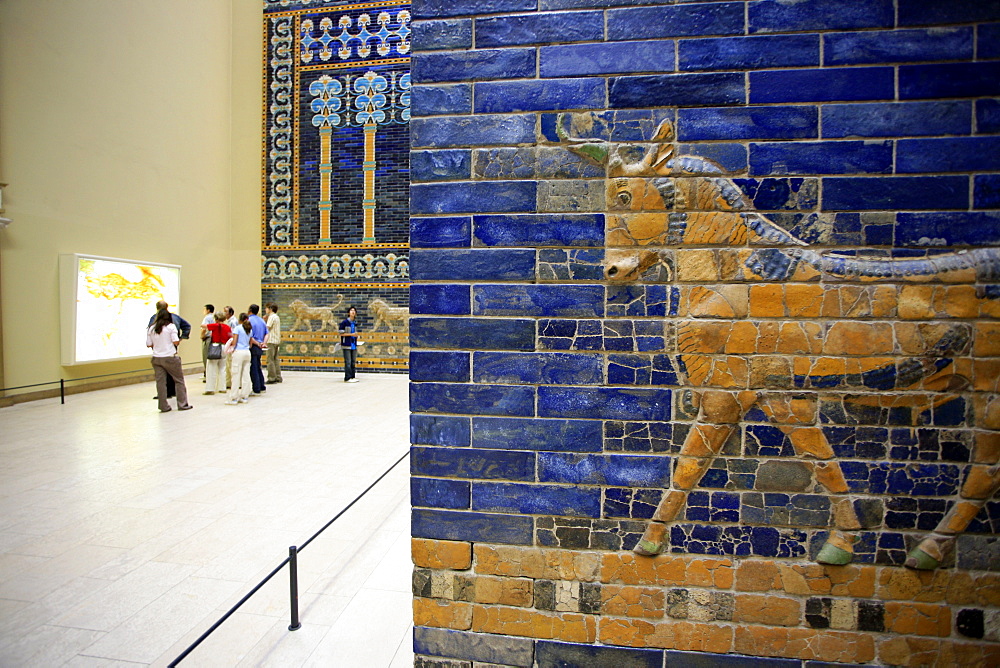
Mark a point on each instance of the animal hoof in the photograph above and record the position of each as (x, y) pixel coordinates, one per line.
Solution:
(833, 555)
(647, 548)
(919, 560)
(838, 549)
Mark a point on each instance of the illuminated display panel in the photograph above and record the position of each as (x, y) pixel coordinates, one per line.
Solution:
(107, 304)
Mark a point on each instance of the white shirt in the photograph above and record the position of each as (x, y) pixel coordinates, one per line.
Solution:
(164, 343)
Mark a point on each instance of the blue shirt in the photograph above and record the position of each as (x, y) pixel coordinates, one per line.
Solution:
(258, 328)
(347, 327)
(242, 338)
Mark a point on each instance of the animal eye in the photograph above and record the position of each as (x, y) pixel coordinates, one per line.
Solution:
(624, 198)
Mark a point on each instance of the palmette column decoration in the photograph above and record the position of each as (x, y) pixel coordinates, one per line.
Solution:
(325, 108)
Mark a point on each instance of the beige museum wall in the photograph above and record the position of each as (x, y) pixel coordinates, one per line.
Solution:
(128, 128)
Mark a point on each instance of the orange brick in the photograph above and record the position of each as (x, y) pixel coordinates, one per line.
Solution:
(685, 636)
(909, 652)
(443, 614)
(803, 301)
(812, 579)
(503, 591)
(767, 301)
(903, 584)
(851, 338)
(441, 553)
(757, 575)
(625, 601)
(922, 619)
(987, 339)
(806, 644)
(627, 568)
(537, 563)
(773, 610)
(570, 627)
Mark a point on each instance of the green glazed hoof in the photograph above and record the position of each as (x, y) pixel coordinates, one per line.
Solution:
(835, 556)
(919, 560)
(647, 548)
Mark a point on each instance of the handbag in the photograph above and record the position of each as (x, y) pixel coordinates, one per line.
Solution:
(215, 351)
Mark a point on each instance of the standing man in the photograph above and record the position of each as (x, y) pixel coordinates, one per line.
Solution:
(273, 344)
(183, 327)
(232, 322)
(349, 344)
(258, 330)
(206, 338)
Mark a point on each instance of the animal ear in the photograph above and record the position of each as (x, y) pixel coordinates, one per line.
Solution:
(664, 150)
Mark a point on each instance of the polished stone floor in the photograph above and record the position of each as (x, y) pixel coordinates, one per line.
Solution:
(126, 533)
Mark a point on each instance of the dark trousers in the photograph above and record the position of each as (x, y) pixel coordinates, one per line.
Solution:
(350, 362)
(256, 373)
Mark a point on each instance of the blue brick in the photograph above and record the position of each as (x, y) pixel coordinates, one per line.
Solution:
(723, 18)
(468, 65)
(949, 229)
(541, 300)
(468, 526)
(449, 367)
(472, 463)
(472, 333)
(987, 116)
(537, 499)
(537, 434)
(472, 399)
(929, 12)
(986, 191)
(899, 193)
(547, 229)
(440, 430)
(539, 29)
(897, 46)
(949, 80)
(473, 197)
(433, 35)
(436, 493)
(747, 123)
(472, 131)
(448, 165)
(677, 90)
(440, 299)
(706, 660)
(616, 470)
(988, 41)
(827, 85)
(482, 647)
(605, 58)
(954, 154)
(731, 157)
(433, 9)
(634, 125)
(783, 16)
(895, 119)
(550, 654)
(539, 95)
(538, 368)
(472, 264)
(609, 403)
(443, 232)
(747, 53)
(828, 157)
(437, 100)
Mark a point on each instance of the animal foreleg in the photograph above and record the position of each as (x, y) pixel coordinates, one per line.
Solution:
(839, 546)
(981, 484)
(720, 411)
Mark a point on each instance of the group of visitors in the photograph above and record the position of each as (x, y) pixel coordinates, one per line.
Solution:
(231, 350)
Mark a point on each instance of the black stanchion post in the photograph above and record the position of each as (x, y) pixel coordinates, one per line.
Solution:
(293, 586)
(62, 391)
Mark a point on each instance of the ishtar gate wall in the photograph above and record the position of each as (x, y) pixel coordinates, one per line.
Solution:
(335, 189)
(705, 338)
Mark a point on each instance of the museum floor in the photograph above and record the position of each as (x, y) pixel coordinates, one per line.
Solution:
(126, 533)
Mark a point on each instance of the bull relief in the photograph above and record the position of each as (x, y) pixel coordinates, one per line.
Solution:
(811, 340)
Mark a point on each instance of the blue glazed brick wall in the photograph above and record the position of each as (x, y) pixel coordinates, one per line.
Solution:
(337, 110)
(821, 237)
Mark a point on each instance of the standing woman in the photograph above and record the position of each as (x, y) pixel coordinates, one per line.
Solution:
(239, 392)
(162, 337)
(215, 369)
(349, 344)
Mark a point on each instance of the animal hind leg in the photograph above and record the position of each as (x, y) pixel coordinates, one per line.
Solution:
(979, 487)
(720, 411)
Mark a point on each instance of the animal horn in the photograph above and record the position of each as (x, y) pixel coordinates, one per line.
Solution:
(595, 151)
